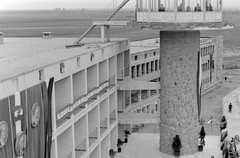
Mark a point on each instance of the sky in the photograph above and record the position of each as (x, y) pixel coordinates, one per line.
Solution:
(77, 4)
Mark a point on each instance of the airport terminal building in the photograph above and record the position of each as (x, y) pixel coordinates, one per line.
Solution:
(71, 98)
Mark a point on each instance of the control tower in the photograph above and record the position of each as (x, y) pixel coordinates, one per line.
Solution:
(179, 22)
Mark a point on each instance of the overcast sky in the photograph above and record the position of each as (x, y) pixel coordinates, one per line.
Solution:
(77, 4)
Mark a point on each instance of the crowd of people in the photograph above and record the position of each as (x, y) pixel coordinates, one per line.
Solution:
(228, 147)
(180, 8)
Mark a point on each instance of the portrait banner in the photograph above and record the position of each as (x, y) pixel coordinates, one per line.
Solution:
(6, 139)
(36, 135)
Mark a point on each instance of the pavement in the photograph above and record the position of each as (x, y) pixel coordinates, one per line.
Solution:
(233, 118)
(146, 145)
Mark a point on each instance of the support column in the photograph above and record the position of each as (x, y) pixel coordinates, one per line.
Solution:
(179, 110)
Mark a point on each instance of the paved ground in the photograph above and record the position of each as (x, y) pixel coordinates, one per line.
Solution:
(233, 118)
(145, 143)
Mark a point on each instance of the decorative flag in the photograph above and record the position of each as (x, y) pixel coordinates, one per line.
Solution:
(6, 135)
(36, 131)
(48, 86)
(199, 84)
(210, 120)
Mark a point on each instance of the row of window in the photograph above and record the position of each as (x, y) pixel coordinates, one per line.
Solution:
(145, 68)
(207, 50)
(136, 57)
(207, 66)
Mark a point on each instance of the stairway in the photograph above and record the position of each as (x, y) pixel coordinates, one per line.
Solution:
(93, 26)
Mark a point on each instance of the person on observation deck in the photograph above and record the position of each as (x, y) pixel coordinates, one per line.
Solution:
(161, 8)
(209, 7)
(197, 8)
(180, 8)
(188, 9)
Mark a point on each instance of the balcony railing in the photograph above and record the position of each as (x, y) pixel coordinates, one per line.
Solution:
(81, 149)
(149, 76)
(113, 117)
(153, 92)
(180, 17)
(144, 102)
(124, 74)
(93, 136)
(103, 126)
(126, 104)
(179, 11)
(144, 94)
(104, 90)
(92, 98)
(134, 98)
(112, 81)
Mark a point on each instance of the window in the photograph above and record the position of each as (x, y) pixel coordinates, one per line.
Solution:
(133, 71)
(143, 69)
(41, 75)
(154, 53)
(208, 65)
(91, 57)
(145, 55)
(152, 66)
(156, 65)
(201, 52)
(62, 68)
(147, 69)
(213, 49)
(136, 57)
(78, 61)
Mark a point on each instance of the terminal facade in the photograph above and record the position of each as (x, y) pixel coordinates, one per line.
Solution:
(91, 88)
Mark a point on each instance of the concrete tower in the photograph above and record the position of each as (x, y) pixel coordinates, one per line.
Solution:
(179, 22)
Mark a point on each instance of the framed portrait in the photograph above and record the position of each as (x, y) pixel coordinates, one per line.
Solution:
(20, 144)
(3, 133)
(35, 114)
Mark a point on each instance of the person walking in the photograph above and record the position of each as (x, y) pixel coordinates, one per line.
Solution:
(230, 107)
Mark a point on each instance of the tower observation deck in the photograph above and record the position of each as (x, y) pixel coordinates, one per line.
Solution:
(179, 22)
(179, 15)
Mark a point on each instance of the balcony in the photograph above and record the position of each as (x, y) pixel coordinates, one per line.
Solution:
(112, 82)
(180, 17)
(179, 11)
(81, 149)
(112, 117)
(93, 136)
(147, 100)
(103, 126)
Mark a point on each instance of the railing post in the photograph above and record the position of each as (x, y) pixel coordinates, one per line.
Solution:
(175, 10)
(204, 10)
(149, 10)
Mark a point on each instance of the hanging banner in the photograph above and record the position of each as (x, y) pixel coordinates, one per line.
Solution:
(6, 135)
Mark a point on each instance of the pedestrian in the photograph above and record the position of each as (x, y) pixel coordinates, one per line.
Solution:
(223, 123)
(230, 107)
(202, 133)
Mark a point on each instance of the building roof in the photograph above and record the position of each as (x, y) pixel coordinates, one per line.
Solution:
(144, 45)
(154, 43)
(21, 55)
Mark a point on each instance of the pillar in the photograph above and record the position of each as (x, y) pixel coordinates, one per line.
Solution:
(179, 110)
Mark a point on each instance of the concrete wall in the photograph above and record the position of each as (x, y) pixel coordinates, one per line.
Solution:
(179, 111)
